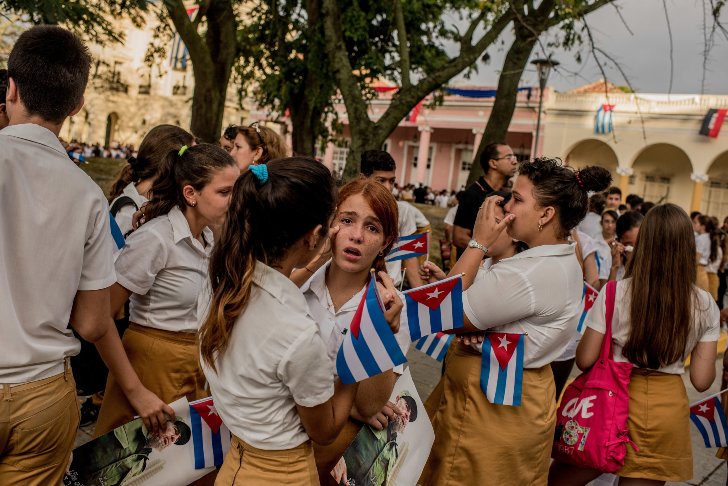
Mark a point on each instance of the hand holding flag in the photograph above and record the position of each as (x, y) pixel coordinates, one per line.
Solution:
(435, 307)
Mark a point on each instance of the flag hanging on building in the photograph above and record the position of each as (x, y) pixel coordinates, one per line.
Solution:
(410, 246)
(116, 232)
(435, 345)
(712, 122)
(501, 372)
(588, 297)
(370, 347)
(210, 437)
(435, 307)
(710, 421)
(603, 119)
(178, 53)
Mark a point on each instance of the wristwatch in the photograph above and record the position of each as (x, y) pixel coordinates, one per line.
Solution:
(475, 244)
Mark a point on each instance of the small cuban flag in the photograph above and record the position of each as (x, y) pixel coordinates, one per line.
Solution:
(588, 297)
(501, 372)
(435, 345)
(603, 119)
(116, 232)
(435, 307)
(210, 437)
(409, 247)
(370, 347)
(710, 421)
(712, 122)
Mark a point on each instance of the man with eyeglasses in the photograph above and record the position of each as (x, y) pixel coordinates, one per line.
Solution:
(499, 164)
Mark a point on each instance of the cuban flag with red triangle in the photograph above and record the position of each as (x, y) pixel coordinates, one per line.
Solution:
(435, 345)
(210, 437)
(589, 296)
(435, 307)
(710, 421)
(370, 347)
(501, 372)
(411, 246)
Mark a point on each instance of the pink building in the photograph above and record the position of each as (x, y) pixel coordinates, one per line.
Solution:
(446, 135)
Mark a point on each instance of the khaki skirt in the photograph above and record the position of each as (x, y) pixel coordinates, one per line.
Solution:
(478, 443)
(249, 466)
(167, 363)
(659, 424)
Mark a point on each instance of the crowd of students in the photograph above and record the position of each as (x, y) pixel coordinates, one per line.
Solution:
(243, 268)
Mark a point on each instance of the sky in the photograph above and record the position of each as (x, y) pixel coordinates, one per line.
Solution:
(644, 54)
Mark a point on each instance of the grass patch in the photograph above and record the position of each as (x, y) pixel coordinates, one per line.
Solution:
(103, 171)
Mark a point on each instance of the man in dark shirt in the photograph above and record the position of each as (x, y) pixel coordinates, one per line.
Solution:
(499, 164)
(420, 193)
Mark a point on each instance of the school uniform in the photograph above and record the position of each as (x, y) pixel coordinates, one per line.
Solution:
(658, 406)
(273, 362)
(537, 292)
(333, 326)
(712, 269)
(55, 241)
(165, 268)
(702, 245)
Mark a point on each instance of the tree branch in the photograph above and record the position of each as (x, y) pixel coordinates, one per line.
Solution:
(404, 58)
(199, 53)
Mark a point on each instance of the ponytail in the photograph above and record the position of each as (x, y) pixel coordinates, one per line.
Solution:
(265, 219)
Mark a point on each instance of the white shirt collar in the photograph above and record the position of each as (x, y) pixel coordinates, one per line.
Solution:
(36, 134)
(279, 286)
(181, 230)
(317, 286)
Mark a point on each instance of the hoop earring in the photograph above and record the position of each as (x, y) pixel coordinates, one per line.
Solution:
(540, 227)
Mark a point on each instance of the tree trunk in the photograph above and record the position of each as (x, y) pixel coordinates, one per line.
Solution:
(496, 127)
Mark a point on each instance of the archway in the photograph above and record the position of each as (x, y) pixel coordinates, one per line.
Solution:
(662, 174)
(715, 194)
(592, 152)
(112, 121)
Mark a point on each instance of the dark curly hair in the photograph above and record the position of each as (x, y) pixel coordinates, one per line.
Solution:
(564, 188)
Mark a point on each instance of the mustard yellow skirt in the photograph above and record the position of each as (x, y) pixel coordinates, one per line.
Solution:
(478, 443)
(659, 424)
(167, 363)
(701, 279)
(249, 466)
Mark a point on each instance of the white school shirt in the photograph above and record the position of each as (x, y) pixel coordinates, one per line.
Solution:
(333, 325)
(165, 268)
(126, 213)
(55, 240)
(706, 322)
(591, 225)
(274, 360)
(406, 226)
(702, 245)
(604, 257)
(450, 216)
(714, 266)
(537, 291)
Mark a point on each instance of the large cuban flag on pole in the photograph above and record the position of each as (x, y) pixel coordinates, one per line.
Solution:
(501, 373)
(210, 437)
(435, 307)
(588, 297)
(411, 246)
(710, 421)
(370, 347)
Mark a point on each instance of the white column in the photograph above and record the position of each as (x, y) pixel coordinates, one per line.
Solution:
(478, 138)
(423, 152)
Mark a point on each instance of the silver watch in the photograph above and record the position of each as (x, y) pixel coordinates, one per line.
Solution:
(475, 244)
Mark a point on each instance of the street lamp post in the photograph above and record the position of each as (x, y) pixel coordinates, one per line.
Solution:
(543, 66)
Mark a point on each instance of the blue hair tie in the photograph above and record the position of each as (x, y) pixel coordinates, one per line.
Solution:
(260, 172)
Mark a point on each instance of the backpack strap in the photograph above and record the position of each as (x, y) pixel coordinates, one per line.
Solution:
(120, 202)
(606, 352)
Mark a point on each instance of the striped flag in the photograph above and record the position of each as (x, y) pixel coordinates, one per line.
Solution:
(410, 246)
(435, 307)
(116, 232)
(177, 59)
(587, 297)
(710, 421)
(603, 119)
(501, 372)
(712, 122)
(370, 347)
(210, 437)
(435, 345)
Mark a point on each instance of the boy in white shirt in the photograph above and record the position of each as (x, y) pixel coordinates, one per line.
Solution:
(55, 265)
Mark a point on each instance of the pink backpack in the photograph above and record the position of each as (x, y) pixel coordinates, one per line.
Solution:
(591, 422)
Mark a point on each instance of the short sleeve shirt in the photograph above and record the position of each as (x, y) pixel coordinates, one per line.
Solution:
(407, 226)
(55, 240)
(272, 362)
(702, 243)
(537, 292)
(165, 268)
(706, 322)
